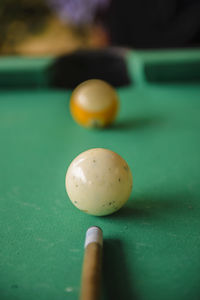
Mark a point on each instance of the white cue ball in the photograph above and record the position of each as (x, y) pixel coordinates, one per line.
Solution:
(98, 182)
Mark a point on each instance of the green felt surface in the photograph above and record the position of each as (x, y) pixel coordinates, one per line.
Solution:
(166, 66)
(151, 248)
(24, 72)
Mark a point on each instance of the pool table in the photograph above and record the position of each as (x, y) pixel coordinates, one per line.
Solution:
(152, 245)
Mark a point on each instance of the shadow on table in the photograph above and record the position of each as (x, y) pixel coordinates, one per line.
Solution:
(136, 123)
(155, 207)
(118, 283)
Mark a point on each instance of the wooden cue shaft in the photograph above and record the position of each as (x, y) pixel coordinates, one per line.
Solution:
(91, 272)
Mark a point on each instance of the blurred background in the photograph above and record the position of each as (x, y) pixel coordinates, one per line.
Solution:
(46, 27)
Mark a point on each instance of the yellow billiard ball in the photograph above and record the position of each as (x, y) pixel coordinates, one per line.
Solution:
(94, 103)
(98, 182)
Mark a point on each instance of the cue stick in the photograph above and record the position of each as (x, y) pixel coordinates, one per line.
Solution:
(91, 272)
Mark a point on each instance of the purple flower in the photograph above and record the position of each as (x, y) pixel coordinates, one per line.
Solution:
(77, 11)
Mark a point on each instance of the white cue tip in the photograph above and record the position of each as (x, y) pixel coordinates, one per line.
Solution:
(94, 235)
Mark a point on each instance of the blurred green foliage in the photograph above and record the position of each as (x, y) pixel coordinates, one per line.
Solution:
(19, 18)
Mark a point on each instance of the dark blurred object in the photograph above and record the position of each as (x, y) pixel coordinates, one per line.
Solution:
(154, 24)
(70, 70)
(20, 18)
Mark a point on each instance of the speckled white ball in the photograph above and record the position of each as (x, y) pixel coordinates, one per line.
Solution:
(98, 182)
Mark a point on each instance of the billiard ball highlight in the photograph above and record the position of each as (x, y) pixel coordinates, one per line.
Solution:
(98, 181)
(94, 103)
